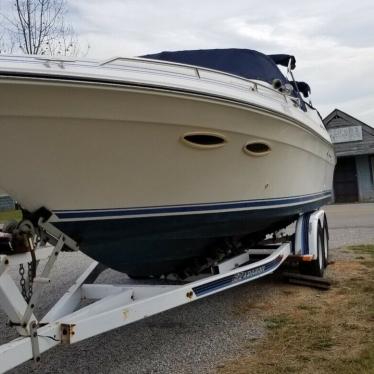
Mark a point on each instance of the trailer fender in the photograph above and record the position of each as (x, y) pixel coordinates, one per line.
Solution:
(306, 234)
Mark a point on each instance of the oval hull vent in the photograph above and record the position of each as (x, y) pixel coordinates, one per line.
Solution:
(257, 149)
(204, 140)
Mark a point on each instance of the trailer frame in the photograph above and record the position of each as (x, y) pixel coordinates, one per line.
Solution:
(114, 306)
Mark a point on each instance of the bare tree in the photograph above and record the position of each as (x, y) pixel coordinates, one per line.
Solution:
(3, 44)
(7, 43)
(38, 27)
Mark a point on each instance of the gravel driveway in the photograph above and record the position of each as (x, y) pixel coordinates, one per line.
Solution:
(194, 338)
(351, 224)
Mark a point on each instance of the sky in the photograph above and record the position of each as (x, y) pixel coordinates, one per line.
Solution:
(333, 41)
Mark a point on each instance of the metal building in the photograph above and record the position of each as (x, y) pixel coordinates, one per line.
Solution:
(354, 147)
(6, 202)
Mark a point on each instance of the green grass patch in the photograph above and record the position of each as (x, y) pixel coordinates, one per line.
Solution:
(10, 215)
(365, 249)
(369, 264)
(320, 340)
(362, 363)
(276, 322)
(312, 309)
(349, 326)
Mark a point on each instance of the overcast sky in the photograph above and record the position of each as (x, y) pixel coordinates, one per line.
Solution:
(333, 41)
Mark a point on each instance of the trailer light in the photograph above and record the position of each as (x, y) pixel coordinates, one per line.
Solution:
(307, 258)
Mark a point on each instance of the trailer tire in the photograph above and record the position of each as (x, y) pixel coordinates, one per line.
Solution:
(326, 242)
(316, 267)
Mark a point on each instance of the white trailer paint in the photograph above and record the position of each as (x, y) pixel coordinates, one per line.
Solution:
(119, 305)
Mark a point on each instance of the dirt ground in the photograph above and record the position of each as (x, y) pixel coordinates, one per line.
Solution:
(313, 331)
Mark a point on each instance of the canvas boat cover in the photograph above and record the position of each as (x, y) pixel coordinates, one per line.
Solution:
(245, 63)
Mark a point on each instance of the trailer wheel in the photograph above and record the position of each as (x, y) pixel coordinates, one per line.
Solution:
(317, 266)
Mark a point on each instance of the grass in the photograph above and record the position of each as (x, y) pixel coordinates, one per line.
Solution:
(276, 322)
(362, 249)
(310, 308)
(309, 331)
(10, 215)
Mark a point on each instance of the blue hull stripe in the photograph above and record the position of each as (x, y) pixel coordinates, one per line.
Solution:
(189, 208)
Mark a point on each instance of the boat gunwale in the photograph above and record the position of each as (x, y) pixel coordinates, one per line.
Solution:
(36, 59)
(173, 90)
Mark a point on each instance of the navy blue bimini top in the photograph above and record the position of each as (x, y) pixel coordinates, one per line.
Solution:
(245, 63)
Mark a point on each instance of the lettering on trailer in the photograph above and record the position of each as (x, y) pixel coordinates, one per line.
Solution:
(346, 134)
(242, 276)
(248, 274)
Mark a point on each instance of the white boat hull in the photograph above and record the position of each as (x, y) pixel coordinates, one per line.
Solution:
(109, 163)
(85, 147)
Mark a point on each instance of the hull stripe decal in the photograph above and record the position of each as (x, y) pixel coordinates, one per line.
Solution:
(236, 278)
(192, 208)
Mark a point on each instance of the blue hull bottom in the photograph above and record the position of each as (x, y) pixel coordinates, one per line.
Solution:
(158, 245)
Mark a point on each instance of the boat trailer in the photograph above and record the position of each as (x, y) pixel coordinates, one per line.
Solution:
(114, 306)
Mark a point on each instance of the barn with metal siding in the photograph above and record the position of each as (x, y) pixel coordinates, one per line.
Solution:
(6, 202)
(354, 147)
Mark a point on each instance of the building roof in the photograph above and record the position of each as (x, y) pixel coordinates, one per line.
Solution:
(339, 119)
(344, 115)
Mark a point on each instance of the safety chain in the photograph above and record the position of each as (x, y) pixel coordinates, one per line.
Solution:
(26, 293)
(23, 282)
(31, 270)
(30, 274)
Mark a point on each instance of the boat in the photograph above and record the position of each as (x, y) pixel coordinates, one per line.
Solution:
(158, 164)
